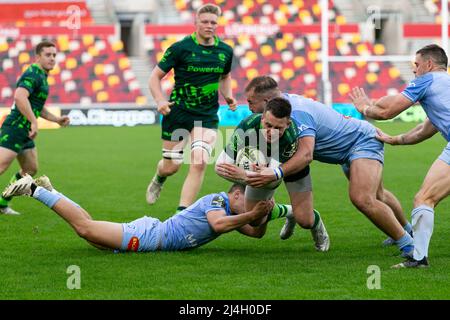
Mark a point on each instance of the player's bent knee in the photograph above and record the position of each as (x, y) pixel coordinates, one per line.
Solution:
(171, 163)
(200, 149)
(175, 156)
(83, 230)
(304, 219)
(4, 165)
(363, 202)
(198, 167)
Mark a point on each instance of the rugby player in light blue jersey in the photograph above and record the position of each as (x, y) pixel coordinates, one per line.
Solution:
(431, 89)
(196, 225)
(330, 137)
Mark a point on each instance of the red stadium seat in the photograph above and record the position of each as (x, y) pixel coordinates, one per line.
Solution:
(88, 65)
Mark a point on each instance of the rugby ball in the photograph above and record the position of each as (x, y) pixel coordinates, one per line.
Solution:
(250, 155)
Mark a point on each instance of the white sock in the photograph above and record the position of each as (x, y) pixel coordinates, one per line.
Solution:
(422, 221)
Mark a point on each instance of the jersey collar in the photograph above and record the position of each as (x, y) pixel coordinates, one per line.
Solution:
(194, 38)
(35, 65)
(227, 203)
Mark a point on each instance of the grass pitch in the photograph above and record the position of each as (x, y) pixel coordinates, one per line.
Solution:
(107, 170)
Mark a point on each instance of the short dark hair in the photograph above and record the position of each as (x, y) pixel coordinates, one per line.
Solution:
(43, 44)
(261, 84)
(279, 107)
(435, 53)
(237, 186)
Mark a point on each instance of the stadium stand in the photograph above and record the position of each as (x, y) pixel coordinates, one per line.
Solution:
(293, 59)
(280, 12)
(434, 8)
(20, 13)
(90, 68)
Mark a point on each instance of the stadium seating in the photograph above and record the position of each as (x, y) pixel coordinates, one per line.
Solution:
(45, 13)
(280, 12)
(293, 60)
(90, 69)
(434, 8)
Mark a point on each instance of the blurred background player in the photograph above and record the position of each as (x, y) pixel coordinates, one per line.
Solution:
(202, 65)
(273, 131)
(196, 225)
(329, 137)
(20, 128)
(431, 90)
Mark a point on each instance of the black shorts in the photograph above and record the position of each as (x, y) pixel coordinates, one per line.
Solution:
(178, 124)
(15, 139)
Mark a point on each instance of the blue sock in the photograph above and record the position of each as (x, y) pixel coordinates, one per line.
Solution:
(46, 197)
(65, 198)
(408, 227)
(405, 243)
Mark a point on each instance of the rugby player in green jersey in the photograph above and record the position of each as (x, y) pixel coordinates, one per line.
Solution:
(20, 127)
(202, 65)
(277, 137)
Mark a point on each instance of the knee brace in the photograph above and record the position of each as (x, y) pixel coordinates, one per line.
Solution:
(200, 144)
(174, 155)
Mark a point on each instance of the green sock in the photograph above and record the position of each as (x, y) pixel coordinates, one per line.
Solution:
(180, 208)
(3, 202)
(278, 211)
(160, 180)
(14, 178)
(316, 218)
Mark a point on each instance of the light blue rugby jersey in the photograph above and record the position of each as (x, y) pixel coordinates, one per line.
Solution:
(190, 228)
(335, 134)
(432, 91)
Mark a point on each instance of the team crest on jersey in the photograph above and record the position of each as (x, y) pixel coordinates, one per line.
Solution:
(302, 128)
(133, 244)
(289, 151)
(218, 201)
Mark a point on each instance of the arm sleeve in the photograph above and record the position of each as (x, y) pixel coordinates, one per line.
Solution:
(28, 81)
(217, 203)
(305, 124)
(227, 68)
(417, 88)
(169, 59)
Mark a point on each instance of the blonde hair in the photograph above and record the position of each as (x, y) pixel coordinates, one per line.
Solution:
(209, 8)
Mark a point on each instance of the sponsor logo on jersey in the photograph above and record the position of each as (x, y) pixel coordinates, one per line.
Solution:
(133, 244)
(205, 69)
(218, 201)
(302, 128)
(290, 150)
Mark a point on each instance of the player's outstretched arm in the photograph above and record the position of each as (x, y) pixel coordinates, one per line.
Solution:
(63, 121)
(301, 158)
(385, 108)
(418, 134)
(226, 168)
(254, 231)
(221, 223)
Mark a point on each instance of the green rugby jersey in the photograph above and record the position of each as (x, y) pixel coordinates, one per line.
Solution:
(34, 80)
(197, 72)
(248, 134)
